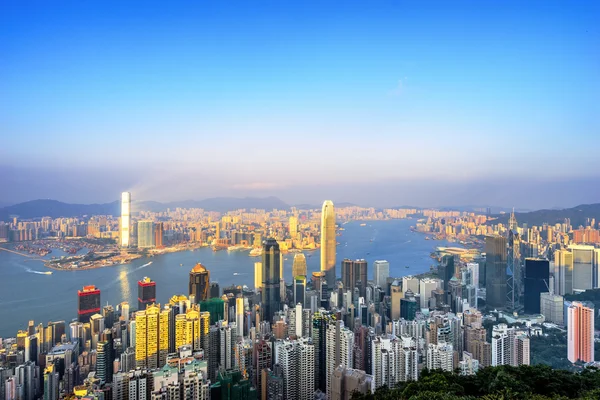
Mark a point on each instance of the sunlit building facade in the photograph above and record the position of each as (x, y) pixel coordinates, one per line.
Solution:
(125, 219)
(328, 242)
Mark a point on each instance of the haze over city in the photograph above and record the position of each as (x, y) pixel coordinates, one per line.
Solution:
(428, 104)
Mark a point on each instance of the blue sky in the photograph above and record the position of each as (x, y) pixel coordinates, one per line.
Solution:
(378, 102)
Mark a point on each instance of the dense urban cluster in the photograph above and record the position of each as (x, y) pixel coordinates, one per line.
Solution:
(318, 337)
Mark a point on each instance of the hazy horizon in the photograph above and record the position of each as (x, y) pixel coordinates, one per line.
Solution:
(429, 104)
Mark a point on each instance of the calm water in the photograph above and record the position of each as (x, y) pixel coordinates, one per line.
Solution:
(26, 295)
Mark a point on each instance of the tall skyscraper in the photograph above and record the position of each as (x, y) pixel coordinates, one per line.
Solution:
(563, 272)
(381, 271)
(145, 234)
(293, 226)
(146, 293)
(446, 270)
(199, 282)
(299, 265)
(537, 281)
(271, 287)
(580, 332)
(88, 303)
(328, 242)
(257, 275)
(125, 218)
(158, 234)
(496, 254)
(354, 275)
(151, 337)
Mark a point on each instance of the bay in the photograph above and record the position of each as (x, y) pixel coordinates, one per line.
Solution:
(26, 295)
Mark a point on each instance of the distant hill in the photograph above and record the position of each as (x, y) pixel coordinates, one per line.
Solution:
(578, 216)
(56, 209)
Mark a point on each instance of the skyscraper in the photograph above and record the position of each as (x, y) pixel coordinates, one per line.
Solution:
(354, 275)
(293, 226)
(145, 234)
(271, 287)
(446, 270)
(328, 242)
(146, 293)
(257, 275)
(580, 332)
(151, 337)
(537, 280)
(381, 271)
(563, 272)
(125, 218)
(199, 282)
(158, 234)
(88, 303)
(495, 249)
(299, 265)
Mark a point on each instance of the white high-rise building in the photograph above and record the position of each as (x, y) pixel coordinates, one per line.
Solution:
(394, 360)
(297, 361)
(468, 365)
(125, 218)
(473, 268)
(145, 234)
(381, 271)
(412, 283)
(339, 348)
(426, 286)
(328, 242)
(440, 356)
(509, 346)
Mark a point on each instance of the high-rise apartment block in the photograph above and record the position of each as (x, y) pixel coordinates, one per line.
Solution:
(580, 332)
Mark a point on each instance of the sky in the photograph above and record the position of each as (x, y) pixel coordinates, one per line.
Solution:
(428, 103)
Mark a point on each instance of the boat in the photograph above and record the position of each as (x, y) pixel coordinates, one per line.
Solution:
(181, 265)
(406, 266)
(363, 224)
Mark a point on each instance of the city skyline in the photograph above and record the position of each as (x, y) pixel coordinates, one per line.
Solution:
(441, 104)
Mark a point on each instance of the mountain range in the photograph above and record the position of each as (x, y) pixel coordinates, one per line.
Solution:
(578, 216)
(57, 209)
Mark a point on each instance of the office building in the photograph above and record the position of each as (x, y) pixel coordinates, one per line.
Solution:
(158, 234)
(408, 306)
(381, 271)
(551, 307)
(446, 270)
(354, 275)
(199, 283)
(151, 337)
(293, 226)
(580, 332)
(563, 272)
(412, 283)
(537, 281)
(328, 242)
(125, 219)
(146, 293)
(496, 264)
(396, 296)
(585, 271)
(88, 303)
(271, 287)
(257, 275)
(299, 289)
(426, 287)
(145, 234)
(299, 265)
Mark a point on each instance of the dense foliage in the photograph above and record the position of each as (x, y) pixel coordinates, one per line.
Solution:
(539, 382)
